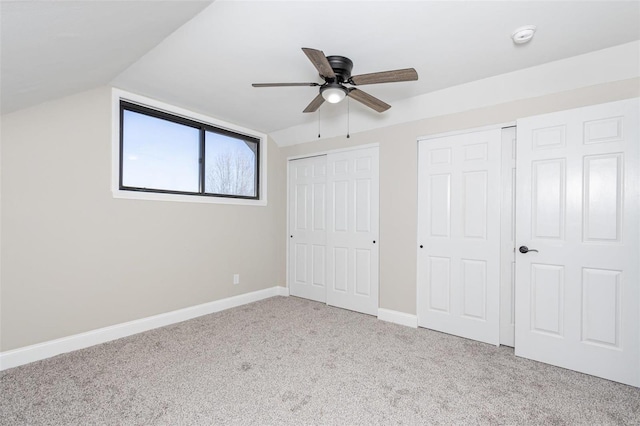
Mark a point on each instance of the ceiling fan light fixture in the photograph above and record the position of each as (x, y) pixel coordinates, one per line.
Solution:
(333, 93)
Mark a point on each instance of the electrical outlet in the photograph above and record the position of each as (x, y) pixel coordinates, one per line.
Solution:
(236, 278)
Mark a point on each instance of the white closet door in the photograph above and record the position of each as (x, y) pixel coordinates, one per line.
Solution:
(459, 191)
(508, 237)
(578, 296)
(307, 228)
(352, 230)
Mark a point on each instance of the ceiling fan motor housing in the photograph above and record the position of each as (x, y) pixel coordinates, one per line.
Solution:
(341, 67)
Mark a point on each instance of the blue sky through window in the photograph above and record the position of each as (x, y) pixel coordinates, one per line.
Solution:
(159, 154)
(230, 165)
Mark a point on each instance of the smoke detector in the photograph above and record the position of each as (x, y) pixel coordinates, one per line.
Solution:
(523, 34)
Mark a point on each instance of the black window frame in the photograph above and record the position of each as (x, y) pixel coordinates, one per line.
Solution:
(203, 128)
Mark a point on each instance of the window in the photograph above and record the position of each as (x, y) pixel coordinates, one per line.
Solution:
(230, 165)
(165, 153)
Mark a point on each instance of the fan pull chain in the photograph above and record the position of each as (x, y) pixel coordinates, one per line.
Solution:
(348, 123)
(318, 123)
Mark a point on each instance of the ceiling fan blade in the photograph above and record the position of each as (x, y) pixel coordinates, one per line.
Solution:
(315, 104)
(283, 84)
(406, 74)
(319, 61)
(368, 100)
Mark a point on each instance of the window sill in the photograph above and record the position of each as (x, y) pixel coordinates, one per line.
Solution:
(156, 196)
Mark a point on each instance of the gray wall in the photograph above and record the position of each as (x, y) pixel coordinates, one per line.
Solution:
(399, 174)
(76, 259)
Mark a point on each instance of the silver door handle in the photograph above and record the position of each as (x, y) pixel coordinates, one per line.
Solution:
(525, 249)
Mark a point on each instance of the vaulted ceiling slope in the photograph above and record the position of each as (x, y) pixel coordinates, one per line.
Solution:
(208, 64)
(52, 49)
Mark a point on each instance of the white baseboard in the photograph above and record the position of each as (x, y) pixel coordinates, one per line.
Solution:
(398, 317)
(282, 291)
(27, 354)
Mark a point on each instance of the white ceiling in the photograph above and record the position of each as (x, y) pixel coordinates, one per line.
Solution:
(208, 64)
(52, 49)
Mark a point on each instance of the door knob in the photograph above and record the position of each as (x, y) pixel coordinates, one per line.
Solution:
(525, 249)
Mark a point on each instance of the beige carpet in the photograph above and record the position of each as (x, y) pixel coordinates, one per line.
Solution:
(292, 361)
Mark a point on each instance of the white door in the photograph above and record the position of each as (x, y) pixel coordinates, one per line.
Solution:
(508, 237)
(307, 228)
(459, 191)
(352, 230)
(577, 204)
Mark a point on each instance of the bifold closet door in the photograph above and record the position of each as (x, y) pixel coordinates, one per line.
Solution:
(352, 230)
(307, 228)
(459, 191)
(578, 214)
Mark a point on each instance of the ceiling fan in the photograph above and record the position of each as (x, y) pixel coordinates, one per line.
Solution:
(336, 72)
